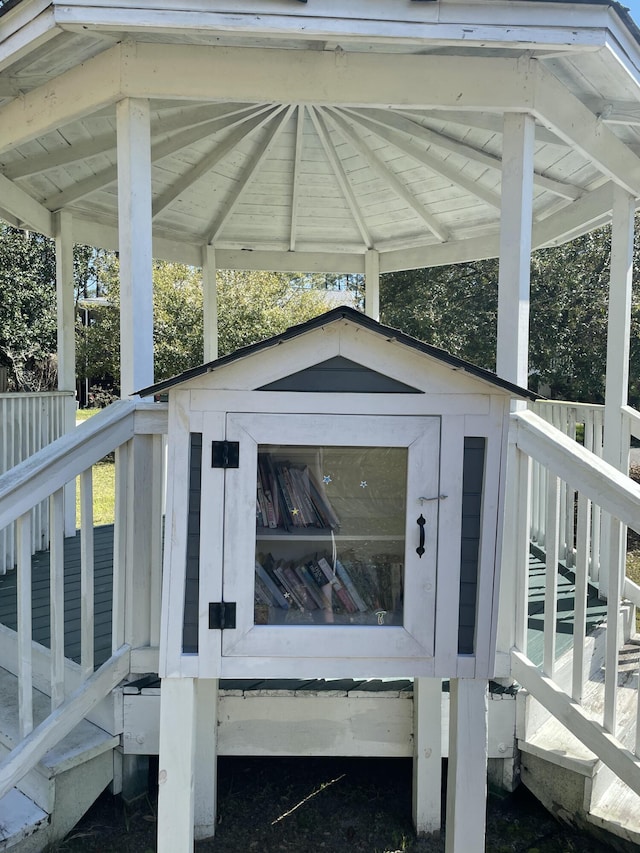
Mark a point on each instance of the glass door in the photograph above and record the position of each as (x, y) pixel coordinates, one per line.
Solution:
(330, 535)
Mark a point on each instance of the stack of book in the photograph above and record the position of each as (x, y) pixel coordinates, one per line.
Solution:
(289, 496)
(346, 588)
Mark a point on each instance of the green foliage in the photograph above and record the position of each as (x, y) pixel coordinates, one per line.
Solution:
(28, 316)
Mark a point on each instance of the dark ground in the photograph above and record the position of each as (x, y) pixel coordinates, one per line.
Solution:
(304, 805)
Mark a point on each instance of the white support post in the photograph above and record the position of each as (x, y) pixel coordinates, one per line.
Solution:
(176, 766)
(618, 328)
(467, 773)
(515, 248)
(615, 448)
(65, 300)
(372, 284)
(134, 224)
(427, 755)
(139, 548)
(209, 303)
(207, 751)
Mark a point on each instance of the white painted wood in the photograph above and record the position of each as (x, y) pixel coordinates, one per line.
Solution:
(28, 212)
(583, 541)
(121, 520)
(210, 303)
(177, 765)
(515, 553)
(61, 721)
(618, 327)
(134, 214)
(449, 520)
(372, 284)
(205, 795)
(570, 714)
(24, 622)
(139, 548)
(56, 592)
(66, 339)
(48, 470)
(599, 481)
(427, 755)
(515, 248)
(467, 773)
(295, 189)
(617, 540)
(551, 574)
(86, 572)
(158, 492)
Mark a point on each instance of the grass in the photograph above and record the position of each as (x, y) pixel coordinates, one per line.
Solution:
(104, 480)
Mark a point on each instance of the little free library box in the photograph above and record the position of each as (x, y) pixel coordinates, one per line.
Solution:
(334, 508)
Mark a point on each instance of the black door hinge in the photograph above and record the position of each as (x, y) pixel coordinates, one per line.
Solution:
(225, 454)
(222, 614)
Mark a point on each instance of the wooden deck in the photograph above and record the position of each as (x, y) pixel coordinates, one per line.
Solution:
(103, 549)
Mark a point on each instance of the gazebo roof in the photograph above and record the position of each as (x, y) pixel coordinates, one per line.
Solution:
(290, 138)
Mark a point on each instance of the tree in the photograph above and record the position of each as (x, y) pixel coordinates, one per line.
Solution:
(28, 316)
(251, 306)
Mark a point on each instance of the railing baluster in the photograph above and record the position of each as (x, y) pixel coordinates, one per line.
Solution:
(120, 546)
(580, 602)
(25, 665)
(613, 611)
(551, 573)
(156, 539)
(56, 591)
(86, 573)
(522, 549)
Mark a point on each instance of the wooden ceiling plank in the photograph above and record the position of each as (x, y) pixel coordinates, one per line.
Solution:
(409, 126)
(107, 142)
(585, 132)
(278, 121)
(386, 175)
(341, 177)
(435, 164)
(212, 159)
(295, 189)
(483, 121)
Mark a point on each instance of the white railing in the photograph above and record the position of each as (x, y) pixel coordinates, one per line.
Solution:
(29, 422)
(583, 422)
(596, 484)
(135, 432)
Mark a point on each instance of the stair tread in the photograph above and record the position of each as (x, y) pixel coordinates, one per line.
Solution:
(85, 741)
(19, 817)
(618, 808)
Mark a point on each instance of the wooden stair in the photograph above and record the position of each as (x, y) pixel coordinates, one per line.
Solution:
(569, 779)
(52, 797)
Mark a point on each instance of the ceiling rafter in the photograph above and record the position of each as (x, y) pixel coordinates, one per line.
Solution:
(426, 159)
(483, 121)
(407, 124)
(295, 190)
(274, 130)
(212, 159)
(340, 176)
(107, 142)
(108, 176)
(385, 174)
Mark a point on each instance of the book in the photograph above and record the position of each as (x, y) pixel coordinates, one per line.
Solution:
(349, 584)
(273, 588)
(338, 586)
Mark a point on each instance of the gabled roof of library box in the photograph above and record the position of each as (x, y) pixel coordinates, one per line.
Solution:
(352, 315)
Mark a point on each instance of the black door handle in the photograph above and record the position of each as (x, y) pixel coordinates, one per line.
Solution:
(421, 524)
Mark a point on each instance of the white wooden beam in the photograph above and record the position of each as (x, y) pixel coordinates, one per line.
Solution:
(588, 212)
(177, 765)
(372, 284)
(619, 329)
(385, 174)
(427, 755)
(340, 176)
(245, 127)
(134, 211)
(467, 774)
(249, 172)
(515, 249)
(209, 303)
(207, 752)
(484, 121)
(26, 210)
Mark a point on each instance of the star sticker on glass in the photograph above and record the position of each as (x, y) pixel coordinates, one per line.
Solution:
(327, 479)
(294, 511)
(363, 484)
